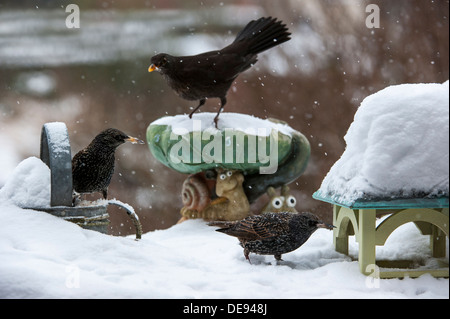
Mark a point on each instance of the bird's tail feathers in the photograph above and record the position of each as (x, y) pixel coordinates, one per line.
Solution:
(263, 34)
(231, 228)
(221, 224)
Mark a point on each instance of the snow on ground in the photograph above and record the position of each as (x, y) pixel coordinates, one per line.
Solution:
(43, 256)
(47, 257)
(397, 145)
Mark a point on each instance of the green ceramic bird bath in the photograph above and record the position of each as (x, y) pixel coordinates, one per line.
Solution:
(267, 152)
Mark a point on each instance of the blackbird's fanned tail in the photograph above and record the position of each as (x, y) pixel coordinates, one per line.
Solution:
(263, 34)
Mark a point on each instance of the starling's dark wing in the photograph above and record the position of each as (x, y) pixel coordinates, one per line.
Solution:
(257, 227)
(80, 163)
(85, 172)
(77, 171)
(78, 160)
(271, 225)
(241, 229)
(78, 156)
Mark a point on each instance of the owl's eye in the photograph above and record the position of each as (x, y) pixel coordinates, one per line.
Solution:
(291, 201)
(277, 202)
(229, 173)
(222, 176)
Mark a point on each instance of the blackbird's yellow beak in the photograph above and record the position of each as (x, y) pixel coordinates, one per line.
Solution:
(152, 68)
(134, 140)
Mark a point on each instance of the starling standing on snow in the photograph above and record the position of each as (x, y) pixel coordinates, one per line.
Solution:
(210, 74)
(272, 233)
(93, 166)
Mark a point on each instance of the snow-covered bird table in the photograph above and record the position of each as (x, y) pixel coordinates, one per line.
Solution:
(396, 161)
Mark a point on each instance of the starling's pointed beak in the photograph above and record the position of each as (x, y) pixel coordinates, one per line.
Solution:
(324, 225)
(134, 140)
(152, 68)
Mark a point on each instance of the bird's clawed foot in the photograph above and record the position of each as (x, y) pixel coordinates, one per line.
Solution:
(223, 101)
(216, 119)
(202, 101)
(246, 254)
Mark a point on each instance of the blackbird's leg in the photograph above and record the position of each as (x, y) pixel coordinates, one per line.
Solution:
(105, 193)
(202, 101)
(223, 101)
(278, 257)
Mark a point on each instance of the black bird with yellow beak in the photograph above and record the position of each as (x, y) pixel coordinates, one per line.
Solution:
(210, 74)
(93, 166)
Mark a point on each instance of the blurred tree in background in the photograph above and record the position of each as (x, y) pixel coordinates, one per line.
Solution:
(96, 77)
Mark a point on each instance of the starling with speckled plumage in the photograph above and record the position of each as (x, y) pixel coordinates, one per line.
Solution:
(93, 166)
(272, 233)
(211, 74)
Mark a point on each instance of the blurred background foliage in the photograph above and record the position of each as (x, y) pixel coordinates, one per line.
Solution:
(96, 77)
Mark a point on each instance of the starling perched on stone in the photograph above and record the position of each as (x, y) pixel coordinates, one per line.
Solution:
(272, 233)
(210, 74)
(93, 166)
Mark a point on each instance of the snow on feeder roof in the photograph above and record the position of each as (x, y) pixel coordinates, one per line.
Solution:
(269, 152)
(397, 148)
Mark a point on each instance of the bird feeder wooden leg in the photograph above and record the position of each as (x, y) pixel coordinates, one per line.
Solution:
(346, 224)
(438, 238)
(340, 232)
(437, 242)
(366, 239)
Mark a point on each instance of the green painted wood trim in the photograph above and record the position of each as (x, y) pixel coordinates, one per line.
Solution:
(396, 203)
